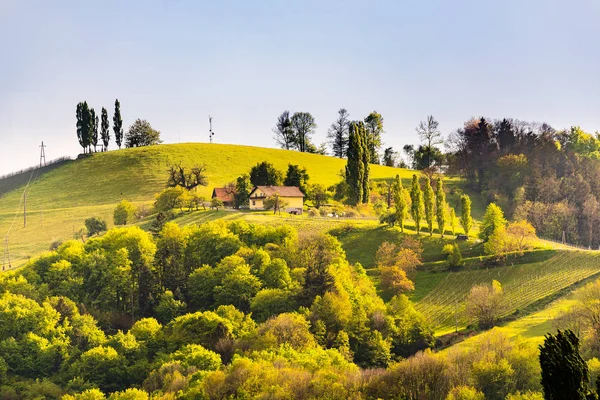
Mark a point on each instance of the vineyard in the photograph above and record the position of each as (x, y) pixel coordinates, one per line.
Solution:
(523, 284)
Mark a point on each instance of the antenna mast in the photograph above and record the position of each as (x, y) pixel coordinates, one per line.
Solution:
(210, 131)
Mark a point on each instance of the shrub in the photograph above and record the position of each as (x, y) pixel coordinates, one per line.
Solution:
(123, 213)
(94, 226)
(454, 257)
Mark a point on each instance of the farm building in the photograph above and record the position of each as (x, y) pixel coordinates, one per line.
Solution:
(291, 195)
(221, 194)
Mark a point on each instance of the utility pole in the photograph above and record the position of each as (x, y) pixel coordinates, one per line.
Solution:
(42, 155)
(210, 131)
(6, 259)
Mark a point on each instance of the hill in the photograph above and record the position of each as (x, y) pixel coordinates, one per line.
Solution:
(60, 199)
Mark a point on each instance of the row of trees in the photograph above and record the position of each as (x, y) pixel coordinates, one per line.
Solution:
(87, 127)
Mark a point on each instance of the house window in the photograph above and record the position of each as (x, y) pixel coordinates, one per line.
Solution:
(253, 202)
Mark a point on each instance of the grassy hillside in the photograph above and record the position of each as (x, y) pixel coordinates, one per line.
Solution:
(62, 198)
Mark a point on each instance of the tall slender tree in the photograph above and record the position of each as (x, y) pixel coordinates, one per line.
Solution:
(440, 205)
(429, 133)
(465, 218)
(355, 168)
(417, 207)
(85, 126)
(428, 197)
(400, 202)
(118, 124)
(80, 125)
(374, 126)
(303, 125)
(94, 130)
(284, 134)
(366, 190)
(104, 129)
(453, 220)
(338, 134)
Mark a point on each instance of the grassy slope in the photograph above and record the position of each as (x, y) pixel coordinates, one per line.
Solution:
(60, 200)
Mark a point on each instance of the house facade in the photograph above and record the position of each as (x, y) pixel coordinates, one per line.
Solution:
(291, 195)
(221, 194)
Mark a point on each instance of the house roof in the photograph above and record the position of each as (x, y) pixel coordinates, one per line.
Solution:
(283, 191)
(221, 194)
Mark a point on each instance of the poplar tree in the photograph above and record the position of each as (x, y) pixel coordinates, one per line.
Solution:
(416, 196)
(440, 206)
(465, 219)
(118, 124)
(104, 131)
(400, 202)
(366, 158)
(428, 196)
(453, 220)
(93, 130)
(354, 166)
(85, 125)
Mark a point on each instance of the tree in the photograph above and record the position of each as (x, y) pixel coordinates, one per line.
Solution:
(118, 124)
(417, 207)
(94, 131)
(265, 174)
(355, 168)
(452, 251)
(338, 134)
(242, 190)
(429, 133)
(303, 125)
(123, 213)
(565, 374)
(85, 125)
(318, 194)
(465, 393)
(141, 134)
(390, 157)
(484, 304)
(374, 129)
(427, 158)
(466, 221)
(104, 129)
(428, 197)
(440, 205)
(216, 203)
(452, 220)
(275, 203)
(366, 158)
(492, 220)
(169, 198)
(284, 134)
(400, 202)
(296, 176)
(94, 226)
(188, 179)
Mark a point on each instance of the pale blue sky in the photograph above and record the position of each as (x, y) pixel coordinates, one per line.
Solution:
(174, 62)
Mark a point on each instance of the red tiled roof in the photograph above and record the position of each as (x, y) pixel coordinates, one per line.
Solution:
(221, 194)
(283, 191)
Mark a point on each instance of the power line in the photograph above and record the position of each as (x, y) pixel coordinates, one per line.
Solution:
(42, 154)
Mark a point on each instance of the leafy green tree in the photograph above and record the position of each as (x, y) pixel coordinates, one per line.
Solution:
(169, 258)
(304, 125)
(367, 157)
(374, 129)
(452, 220)
(296, 176)
(428, 200)
(118, 124)
(400, 202)
(170, 198)
(94, 131)
(564, 372)
(102, 366)
(130, 394)
(495, 379)
(141, 133)
(417, 207)
(427, 158)
(243, 186)
(466, 220)
(265, 174)
(271, 302)
(440, 206)
(168, 307)
(216, 203)
(484, 303)
(284, 134)
(429, 133)
(338, 134)
(355, 168)
(189, 179)
(208, 244)
(492, 220)
(123, 213)
(237, 288)
(95, 226)
(452, 251)
(276, 203)
(104, 129)
(194, 355)
(390, 157)
(318, 194)
(465, 393)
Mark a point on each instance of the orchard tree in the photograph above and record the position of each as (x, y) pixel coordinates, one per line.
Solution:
(440, 206)
(400, 202)
(118, 124)
(428, 197)
(284, 134)
(338, 134)
(374, 128)
(265, 174)
(141, 134)
(417, 207)
(493, 219)
(303, 126)
(104, 130)
(466, 220)
(216, 203)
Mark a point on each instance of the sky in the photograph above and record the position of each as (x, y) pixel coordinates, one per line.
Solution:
(174, 62)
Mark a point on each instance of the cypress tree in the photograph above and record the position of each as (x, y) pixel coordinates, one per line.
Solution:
(400, 202)
(118, 124)
(465, 219)
(104, 131)
(354, 166)
(366, 158)
(428, 196)
(416, 196)
(440, 206)
(453, 220)
(93, 130)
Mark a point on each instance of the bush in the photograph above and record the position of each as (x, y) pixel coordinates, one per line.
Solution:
(313, 213)
(94, 226)
(454, 257)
